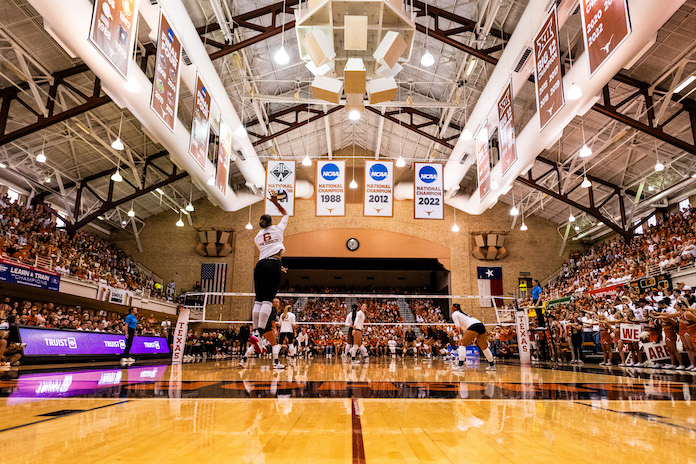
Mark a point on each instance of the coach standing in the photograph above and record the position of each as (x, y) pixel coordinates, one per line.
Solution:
(131, 324)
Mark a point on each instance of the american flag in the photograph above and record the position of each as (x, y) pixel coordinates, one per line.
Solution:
(213, 278)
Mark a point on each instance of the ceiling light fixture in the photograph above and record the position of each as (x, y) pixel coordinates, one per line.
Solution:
(427, 59)
(180, 223)
(116, 176)
(400, 163)
(523, 227)
(685, 84)
(118, 143)
(586, 183)
(41, 157)
(455, 227)
(659, 167)
(577, 228)
(574, 92)
(3, 165)
(281, 56)
(514, 211)
(585, 151)
(249, 226)
(354, 115)
(571, 218)
(470, 68)
(306, 161)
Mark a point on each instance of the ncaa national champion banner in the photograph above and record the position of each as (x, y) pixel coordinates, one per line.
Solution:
(200, 125)
(379, 189)
(483, 163)
(280, 179)
(223, 161)
(112, 31)
(165, 89)
(506, 129)
(331, 188)
(428, 194)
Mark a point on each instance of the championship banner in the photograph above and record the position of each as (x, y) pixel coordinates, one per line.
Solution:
(630, 332)
(506, 129)
(331, 188)
(223, 161)
(280, 178)
(378, 199)
(523, 342)
(200, 126)
(483, 162)
(547, 71)
(605, 25)
(112, 31)
(656, 351)
(114, 295)
(180, 332)
(428, 191)
(22, 274)
(165, 91)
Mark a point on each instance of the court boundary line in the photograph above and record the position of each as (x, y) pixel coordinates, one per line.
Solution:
(62, 416)
(357, 436)
(633, 414)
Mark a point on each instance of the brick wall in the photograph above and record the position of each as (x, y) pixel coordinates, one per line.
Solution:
(169, 250)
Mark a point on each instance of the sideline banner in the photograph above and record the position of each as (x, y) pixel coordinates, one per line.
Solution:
(180, 333)
(280, 178)
(165, 88)
(506, 129)
(331, 188)
(22, 274)
(428, 191)
(547, 71)
(114, 295)
(200, 125)
(483, 162)
(112, 31)
(523, 342)
(378, 199)
(656, 351)
(605, 25)
(223, 162)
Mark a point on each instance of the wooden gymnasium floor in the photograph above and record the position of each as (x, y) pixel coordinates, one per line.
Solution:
(324, 411)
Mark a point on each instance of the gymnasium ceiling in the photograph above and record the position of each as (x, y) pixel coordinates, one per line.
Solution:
(80, 146)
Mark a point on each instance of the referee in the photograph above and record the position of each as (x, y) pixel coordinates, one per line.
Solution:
(131, 324)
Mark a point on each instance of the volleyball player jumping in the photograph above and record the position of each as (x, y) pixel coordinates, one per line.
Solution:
(267, 274)
(471, 329)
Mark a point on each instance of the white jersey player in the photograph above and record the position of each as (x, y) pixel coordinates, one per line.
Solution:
(471, 329)
(355, 321)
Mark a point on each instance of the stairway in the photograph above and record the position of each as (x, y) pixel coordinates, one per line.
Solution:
(406, 314)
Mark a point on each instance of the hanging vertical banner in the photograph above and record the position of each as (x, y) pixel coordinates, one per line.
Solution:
(524, 346)
(378, 199)
(165, 89)
(223, 161)
(280, 179)
(200, 126)
(605, 25)
(506, 129)
(112, 31)
(428, 191)
(547, 71)
(331, 188)
(483, 162)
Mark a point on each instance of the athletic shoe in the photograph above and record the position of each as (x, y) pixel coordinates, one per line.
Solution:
(602, 364)
(124, 360)
(355, 361)
(691, 368)
(491, 368)
(608, 364)
(4, 365)
(242, 363)
(131, 360)
(637, 364)
(680, 367)
(277, 365)
(255, 342)
(462, 363)
(581, 362)
(669, 366)
(366, 360)
(623, 364)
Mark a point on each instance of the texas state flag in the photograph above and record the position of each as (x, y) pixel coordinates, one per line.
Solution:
(490, 283)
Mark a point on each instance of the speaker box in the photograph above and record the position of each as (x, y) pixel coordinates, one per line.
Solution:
(502, 253)
(480, 242)
(478, 253)
(390, 49)
(327, 89)
(354, 101)
(381, 90)
(354, 76)
(355, 32)
(491, 240)
(319, 47)
(491, 253)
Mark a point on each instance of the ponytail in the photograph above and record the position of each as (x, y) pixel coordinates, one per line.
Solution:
(285, 312)
(354, 312)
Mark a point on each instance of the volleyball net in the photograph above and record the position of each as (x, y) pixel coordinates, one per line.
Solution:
(331, 309)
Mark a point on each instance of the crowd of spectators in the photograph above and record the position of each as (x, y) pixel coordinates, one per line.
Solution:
(665, 246)
(425, 311)
(31, 232)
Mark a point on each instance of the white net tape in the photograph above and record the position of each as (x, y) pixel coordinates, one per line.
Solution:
(503, 307)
